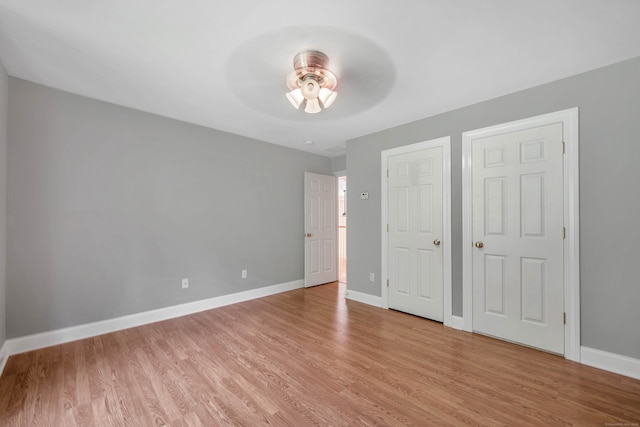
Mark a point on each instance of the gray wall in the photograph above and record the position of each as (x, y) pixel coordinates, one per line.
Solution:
(109, 208)
(609, 103)
(339, 164)
(4, 96)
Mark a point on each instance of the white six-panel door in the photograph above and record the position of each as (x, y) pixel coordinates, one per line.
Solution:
(321, 229)
(415, 234)
(517, 220)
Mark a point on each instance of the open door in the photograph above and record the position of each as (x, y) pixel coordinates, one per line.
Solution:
(321, 229)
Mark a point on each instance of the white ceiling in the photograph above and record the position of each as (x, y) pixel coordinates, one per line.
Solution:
(224, 64)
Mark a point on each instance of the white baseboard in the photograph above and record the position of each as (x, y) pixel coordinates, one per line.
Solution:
(363, 298)
(611, 362)
(73, 333)
(456, 322)
(4, 356)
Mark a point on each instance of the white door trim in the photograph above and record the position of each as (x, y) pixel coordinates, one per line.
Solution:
(569, 119)
(445, 143)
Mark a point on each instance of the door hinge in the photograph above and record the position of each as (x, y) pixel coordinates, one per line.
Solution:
(563, 147)
(387, 228)
(564, 318)
(387, 173)
(387, 283)
(564, 232)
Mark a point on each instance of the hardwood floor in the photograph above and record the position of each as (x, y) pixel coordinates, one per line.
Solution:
(306, 357)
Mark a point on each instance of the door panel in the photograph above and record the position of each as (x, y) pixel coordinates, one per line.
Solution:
(533, 285)
(425, 274)
(321, 229)
(415, 208)
(425, 208)
(495, 287)
(402, 271)
(518, 271)
(532, 211)
(495, 206)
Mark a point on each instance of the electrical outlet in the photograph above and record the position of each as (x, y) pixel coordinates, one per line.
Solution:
(185, 283)
(372, 277)
(244, 274)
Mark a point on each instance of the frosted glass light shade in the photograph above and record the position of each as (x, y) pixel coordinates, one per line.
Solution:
(327, 96)
(295, 98)
(313, 106)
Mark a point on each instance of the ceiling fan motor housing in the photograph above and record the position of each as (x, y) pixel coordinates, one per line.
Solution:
(311, 65)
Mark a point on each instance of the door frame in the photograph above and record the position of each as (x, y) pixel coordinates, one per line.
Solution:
(338, 174)
(445, 143)
(569, 119)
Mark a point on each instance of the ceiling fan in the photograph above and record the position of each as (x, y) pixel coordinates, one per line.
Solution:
(311, 81)
(260, 72)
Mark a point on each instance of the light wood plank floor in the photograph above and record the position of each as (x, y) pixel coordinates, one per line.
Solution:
(306, 357)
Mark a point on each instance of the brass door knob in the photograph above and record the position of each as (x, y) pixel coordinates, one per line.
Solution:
(436, 242)
(308, 234)
(479, 245)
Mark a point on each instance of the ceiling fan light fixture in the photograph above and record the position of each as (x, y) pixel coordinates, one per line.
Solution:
(311, 81)
(295, 97)
(327, 96)
(313, 106)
